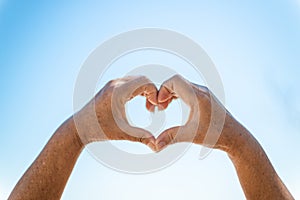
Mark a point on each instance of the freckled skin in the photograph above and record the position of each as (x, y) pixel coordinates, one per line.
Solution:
(257, 176)
(47, 176)
(49, 173)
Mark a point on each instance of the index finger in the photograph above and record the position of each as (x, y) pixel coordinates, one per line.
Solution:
(173, 88)
(141, 85)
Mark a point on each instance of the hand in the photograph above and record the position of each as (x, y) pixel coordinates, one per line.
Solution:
(207, 114)
(48, 175)
(104, 118)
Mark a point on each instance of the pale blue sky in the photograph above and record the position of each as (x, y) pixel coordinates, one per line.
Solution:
(255, 46)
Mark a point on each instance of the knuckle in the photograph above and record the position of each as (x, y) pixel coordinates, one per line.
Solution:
(143, 139)
(140, 78)
(168, 85)
(111, 83)
(204, 89)
(176, 81)
(143, 77)
(171, 137)
(176, 77)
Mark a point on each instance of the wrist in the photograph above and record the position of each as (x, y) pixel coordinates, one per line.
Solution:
(87, 125)
(234, 136)
(70, 128)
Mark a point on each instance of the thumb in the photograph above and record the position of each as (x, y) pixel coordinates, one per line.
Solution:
(171, 136)
(142, 136)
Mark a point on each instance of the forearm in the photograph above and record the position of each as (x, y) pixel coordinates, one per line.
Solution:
(49, 173)
(257, 176)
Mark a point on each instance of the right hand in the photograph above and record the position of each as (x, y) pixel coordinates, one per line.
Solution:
(201, 101)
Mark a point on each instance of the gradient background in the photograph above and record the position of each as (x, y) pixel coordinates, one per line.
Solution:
(255, 46)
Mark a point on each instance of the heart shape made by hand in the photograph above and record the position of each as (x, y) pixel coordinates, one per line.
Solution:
(173, 88)
(107, 109)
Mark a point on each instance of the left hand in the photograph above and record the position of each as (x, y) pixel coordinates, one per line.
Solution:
(104, 117)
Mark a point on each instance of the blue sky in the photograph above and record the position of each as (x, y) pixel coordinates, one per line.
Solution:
(255, 46)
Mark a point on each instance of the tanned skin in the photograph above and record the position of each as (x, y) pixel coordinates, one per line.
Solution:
(47, 176)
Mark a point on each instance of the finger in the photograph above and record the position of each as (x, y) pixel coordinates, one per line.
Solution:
(164, 95)
(150, 106)
(147, 90)
(135, 134)
(171, 136)
(164, 105)
(164, 98)
(176, 87)
(140, 85)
